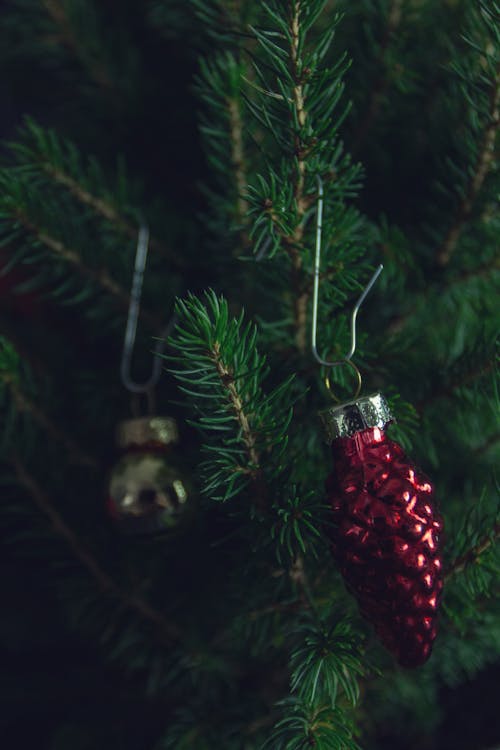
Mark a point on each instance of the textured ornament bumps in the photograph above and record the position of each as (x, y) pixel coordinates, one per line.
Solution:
(386, 536)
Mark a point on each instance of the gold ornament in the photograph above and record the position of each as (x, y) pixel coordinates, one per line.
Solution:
(148, 492)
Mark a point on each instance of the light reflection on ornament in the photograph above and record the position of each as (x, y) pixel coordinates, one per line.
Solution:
(383, 540)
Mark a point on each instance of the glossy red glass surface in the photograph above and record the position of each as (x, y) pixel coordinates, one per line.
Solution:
(386, 540)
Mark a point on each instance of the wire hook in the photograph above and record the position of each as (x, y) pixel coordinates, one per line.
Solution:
(131, 385)
(319, 228)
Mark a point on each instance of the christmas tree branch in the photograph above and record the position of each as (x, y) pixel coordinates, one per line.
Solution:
(379, 89)
(70, 39)
(484, 163)
(448, 388)
(300, 295)
(131, 601)
(27, 406)
(239, 164)
(100, 278)
(228, 382)
(484, 271)
(109, 212)
(218, 365)
(472, 555)
(41, 151)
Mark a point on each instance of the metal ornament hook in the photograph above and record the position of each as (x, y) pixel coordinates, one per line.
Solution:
(346, 360)
(131, 327)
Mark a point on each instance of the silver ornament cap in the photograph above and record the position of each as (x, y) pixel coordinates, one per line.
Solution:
(344, 420)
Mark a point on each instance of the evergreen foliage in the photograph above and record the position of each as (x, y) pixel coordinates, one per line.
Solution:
(236, 630)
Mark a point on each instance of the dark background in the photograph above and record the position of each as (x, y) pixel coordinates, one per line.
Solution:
(55, 688)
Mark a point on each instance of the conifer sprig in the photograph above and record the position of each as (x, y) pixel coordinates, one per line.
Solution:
(305, 726)
(21, 404)
(48, 158)
(478, 76)
(328, 658)
(218, 366)
(296, 102)
(61, 246)
(167, 630)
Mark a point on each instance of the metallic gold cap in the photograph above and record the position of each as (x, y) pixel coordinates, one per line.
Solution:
(347, 419)
(146, 430)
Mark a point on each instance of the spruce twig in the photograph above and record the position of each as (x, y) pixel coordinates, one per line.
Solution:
(472, 555)
(168, 631)
(228, 382)
(239, 164)
(27, 406)
(220, 368)
(100, 277)
(59, 16)
(108, 212)
(484, 162)
(447, 389)
(484, 271)
(378, 91)
(300, 295)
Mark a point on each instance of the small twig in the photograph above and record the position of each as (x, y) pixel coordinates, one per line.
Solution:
(380, 88)
(25, 405)
(249, 437)
(472, 555)
(105, 209)
(447, 390)
(134, 602)
(298, 575)
(398, 323)
(98, 72)
(300, 295)
(484, 162)
(238, 160)
(100, 277)
(489, 443)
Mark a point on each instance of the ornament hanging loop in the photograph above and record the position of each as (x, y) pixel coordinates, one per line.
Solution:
(346, 360)
(357, 373)
(147, 387)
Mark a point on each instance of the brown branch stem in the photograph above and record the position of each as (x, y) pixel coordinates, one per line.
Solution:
(379, 89)
(27, 406)
(238, 161)
(106, 210)
(484, 161)
(447, 390)
(300, 295)
(100, 277)
(97, 70)
(473, 555)
(167, 630)
(227, 379)
(398, 323)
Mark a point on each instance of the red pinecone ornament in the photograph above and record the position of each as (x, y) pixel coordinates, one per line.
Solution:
(386, 536)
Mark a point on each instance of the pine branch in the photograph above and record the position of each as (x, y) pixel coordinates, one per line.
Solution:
(41, 151)
(484, 272)
(100, 278)
(239, 163)
(131, 601)
(108, 212)
(99, 73)
(447, 389)
(249, 437)
(219, 367)
(484, 162)
(379, 89)
(26, 406)
(300, 296)
(473, 555)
